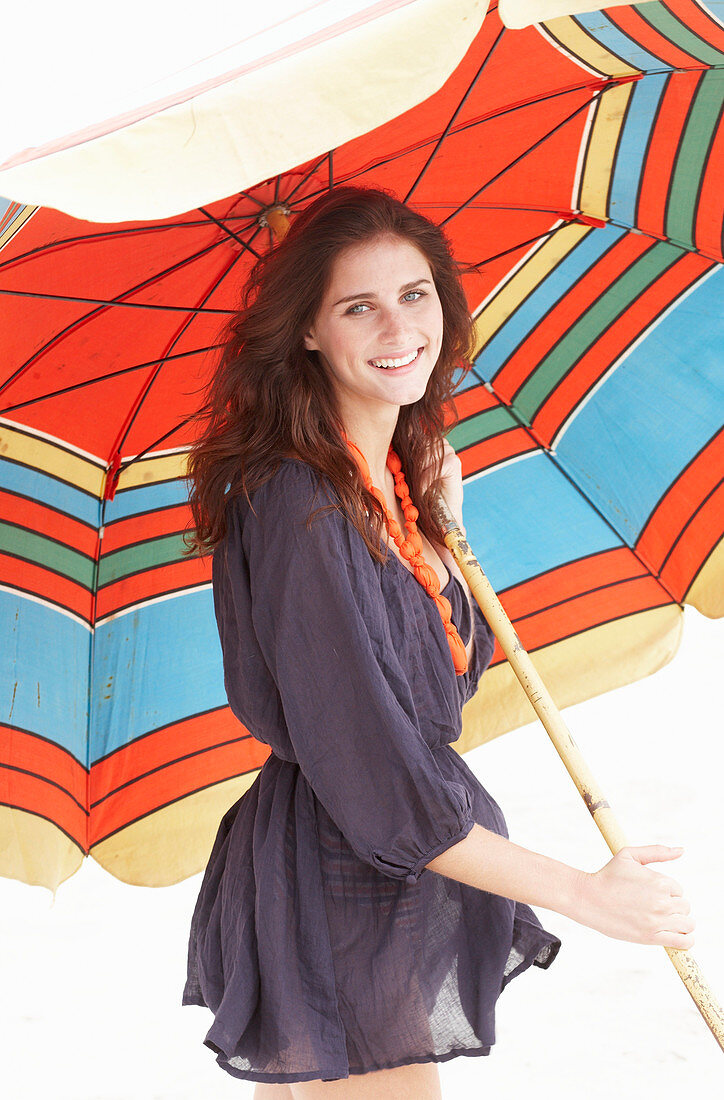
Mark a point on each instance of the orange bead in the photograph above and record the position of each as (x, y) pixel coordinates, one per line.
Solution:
(426, 575)
(443, 607)
(459, 656)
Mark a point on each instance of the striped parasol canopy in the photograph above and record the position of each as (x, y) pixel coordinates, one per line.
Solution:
(576, 166)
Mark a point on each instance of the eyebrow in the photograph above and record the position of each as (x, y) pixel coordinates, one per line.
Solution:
(369, 294)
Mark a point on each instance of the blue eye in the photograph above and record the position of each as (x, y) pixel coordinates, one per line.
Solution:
(357, 308)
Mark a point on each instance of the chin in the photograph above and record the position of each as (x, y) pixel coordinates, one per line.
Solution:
(415, 395)
(412, 401)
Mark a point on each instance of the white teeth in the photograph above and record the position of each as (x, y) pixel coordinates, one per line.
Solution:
(388, 363)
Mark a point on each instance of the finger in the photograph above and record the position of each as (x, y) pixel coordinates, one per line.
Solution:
(672, 933)
(678, 922)
(683, 941)
(654, 853)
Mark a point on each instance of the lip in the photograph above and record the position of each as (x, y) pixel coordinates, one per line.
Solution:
(399, 355)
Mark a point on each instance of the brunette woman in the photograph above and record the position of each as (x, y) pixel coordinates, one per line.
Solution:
(362, 908)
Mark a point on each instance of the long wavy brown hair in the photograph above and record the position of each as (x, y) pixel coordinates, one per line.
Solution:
(270, 397)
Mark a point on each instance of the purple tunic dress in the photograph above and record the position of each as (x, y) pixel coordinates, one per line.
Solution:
(319, 940)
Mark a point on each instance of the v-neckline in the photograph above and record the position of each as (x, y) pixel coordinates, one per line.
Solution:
(450, 574)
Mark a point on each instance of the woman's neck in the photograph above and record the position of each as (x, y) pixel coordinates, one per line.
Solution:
(373, 439)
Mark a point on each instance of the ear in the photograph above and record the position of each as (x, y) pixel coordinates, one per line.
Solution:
(309, 342)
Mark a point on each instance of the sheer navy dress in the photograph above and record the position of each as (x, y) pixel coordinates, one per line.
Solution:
(319, 940)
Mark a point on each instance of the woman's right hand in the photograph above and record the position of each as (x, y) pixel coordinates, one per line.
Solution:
(628, 901)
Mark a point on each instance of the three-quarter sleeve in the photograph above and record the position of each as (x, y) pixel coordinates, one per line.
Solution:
(320, 620)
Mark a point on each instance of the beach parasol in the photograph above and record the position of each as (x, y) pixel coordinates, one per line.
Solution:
(575, 166)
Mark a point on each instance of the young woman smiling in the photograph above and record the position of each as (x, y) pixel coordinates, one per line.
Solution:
(362, 908)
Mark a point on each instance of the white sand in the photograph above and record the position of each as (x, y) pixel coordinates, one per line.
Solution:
(91, 986)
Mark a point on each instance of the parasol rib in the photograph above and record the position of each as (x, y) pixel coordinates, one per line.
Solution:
(113, 374)
(84, 300)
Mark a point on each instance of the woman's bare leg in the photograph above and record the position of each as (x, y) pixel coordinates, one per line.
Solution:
(420, 1081)
(272, 1092)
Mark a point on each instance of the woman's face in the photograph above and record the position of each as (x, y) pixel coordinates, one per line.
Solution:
(379, 327)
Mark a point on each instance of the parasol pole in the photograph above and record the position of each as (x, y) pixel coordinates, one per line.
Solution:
(566, 747)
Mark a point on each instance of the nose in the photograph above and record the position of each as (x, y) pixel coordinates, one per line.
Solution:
(394, 326)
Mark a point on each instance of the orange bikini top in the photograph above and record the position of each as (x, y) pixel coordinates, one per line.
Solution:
(411, 547)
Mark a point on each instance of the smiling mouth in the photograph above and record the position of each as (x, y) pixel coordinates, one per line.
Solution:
(396, 364)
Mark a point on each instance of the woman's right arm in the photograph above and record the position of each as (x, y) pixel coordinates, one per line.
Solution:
(624, 899)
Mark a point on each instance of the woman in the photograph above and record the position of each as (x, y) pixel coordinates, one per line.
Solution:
(334, 964)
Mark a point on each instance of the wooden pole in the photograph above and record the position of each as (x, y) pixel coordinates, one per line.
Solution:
(550, 716)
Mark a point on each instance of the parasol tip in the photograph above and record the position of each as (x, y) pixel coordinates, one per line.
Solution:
(277, 219)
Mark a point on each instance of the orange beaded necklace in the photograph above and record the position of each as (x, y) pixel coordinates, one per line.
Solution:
(411, 547)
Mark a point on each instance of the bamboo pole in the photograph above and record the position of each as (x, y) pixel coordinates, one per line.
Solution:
(550, 716)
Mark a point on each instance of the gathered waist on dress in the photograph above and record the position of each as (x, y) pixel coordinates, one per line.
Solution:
(443, 746)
